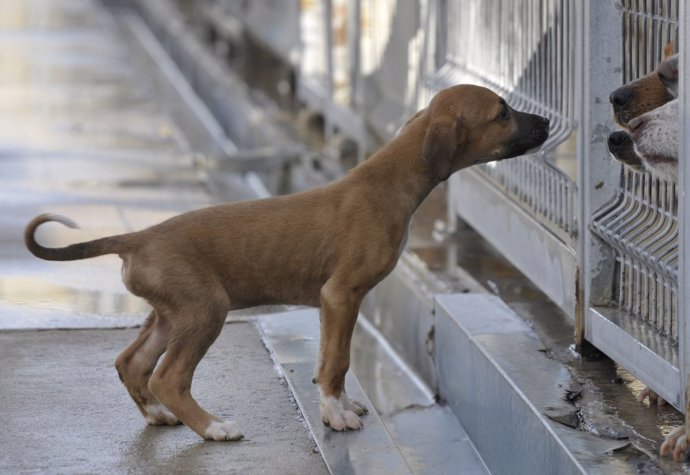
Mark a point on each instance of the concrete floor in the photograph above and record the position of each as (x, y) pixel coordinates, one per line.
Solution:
(65, 411)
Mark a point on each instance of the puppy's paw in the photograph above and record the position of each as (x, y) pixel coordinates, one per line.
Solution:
(653, 397)
(159, 415)
(676, 442)
(337, 417)
(220, 430)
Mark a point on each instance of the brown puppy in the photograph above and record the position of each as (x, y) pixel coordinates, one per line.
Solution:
(326, 248)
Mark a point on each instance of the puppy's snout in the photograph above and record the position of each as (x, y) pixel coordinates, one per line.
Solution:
(617, 140)
(621, 96)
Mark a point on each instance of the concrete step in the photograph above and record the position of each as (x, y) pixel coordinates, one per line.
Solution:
(496, 376)
(424, 439)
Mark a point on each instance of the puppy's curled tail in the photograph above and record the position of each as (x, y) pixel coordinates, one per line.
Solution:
(82, 250)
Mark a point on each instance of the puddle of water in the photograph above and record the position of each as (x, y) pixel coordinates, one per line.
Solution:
(41, 295)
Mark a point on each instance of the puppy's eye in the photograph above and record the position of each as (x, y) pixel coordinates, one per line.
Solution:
(504, 114)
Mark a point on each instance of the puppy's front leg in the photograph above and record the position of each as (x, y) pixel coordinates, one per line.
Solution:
(339, 310)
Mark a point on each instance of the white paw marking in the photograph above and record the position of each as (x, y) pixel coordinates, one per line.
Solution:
(223, 431)
(336, 416)
(158, 415)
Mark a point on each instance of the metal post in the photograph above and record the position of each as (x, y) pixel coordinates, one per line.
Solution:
(597, 175)
(354, 35)
(684, 205)
(330, 86)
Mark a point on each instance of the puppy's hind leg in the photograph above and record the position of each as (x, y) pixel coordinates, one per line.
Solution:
(194, 328)
(136, 363)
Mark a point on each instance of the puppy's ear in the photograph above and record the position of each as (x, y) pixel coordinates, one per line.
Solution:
(444, 137)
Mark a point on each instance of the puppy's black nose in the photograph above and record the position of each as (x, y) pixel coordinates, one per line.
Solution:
(621, 96)
(616, 140)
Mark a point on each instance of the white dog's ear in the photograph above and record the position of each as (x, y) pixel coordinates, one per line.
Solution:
(443, 138)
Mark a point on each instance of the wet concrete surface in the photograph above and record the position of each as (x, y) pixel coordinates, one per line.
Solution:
(64, 410)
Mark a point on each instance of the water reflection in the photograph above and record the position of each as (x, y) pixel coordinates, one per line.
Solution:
(42, 295)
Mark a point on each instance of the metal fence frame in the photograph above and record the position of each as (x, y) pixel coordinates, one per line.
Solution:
(529, 206)
(626, 233)
(632, 238)
(684, 208)
(617, 275)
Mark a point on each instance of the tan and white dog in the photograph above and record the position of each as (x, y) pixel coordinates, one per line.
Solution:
(325, 248)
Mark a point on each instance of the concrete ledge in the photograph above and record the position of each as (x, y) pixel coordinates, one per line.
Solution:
(293, 339)
(494, 374)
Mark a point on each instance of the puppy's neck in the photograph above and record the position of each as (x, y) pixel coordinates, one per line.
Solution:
(399, 169)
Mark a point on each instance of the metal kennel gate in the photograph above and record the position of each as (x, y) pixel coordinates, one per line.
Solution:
(524, 50)
(600, 240)
(630, 247)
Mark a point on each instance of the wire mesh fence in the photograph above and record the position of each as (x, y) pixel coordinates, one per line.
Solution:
(641, 223)
(532, 64)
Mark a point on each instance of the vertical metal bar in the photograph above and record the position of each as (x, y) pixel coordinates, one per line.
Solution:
(330, 73)
(442, 10)
(354, 36)
(684, 204)
(598, 59)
